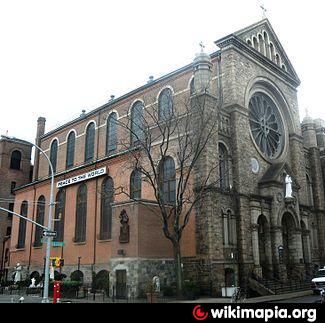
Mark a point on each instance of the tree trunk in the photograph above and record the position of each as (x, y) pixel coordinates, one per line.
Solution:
(178, 270)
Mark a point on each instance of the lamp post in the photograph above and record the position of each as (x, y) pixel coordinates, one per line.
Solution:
(49, 225)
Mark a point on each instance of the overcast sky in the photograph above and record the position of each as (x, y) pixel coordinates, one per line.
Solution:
(59, 57)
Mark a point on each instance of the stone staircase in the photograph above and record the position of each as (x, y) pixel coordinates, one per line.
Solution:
(272, 286)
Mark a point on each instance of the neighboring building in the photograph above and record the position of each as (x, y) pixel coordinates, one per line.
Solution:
(247, 228)
(15, 171)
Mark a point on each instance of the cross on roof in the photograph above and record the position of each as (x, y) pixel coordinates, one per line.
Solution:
(202, 46)
(263, 10)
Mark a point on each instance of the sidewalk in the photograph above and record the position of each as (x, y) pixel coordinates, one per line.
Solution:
(261, 299)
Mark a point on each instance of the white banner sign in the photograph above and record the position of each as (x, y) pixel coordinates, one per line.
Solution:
(81, 177)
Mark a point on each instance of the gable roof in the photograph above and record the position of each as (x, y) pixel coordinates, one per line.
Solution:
(253, 38)
(274, 174)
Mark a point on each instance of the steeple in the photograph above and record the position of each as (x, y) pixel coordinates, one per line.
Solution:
(202, 72)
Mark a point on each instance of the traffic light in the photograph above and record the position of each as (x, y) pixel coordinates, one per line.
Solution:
(61, 262)
(57, 262)
(53, 261)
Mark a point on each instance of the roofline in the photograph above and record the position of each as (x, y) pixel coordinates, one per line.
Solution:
(125, 96)
(16, 140)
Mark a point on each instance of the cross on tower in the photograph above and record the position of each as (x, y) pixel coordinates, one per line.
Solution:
(202, 46)
(263, 10)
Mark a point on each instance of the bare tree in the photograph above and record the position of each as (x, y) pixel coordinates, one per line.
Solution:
(184, 129)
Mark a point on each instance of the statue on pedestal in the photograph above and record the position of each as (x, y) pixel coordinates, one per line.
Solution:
(288, 182)
(125, 228)
(18, 270)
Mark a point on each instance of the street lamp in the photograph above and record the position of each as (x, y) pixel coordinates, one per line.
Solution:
(49, 224)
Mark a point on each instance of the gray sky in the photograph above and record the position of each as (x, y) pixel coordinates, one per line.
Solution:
(59, 57)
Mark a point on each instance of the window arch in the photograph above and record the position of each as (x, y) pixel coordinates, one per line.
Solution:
(262, 44)
(90, 142)
(255, 43)
(15, 160)
(81, 214)
(71, 142)
(22, 225)
(135, 184)
(136, 122)
(53, 155)
(277, 59)
(167, 174)
(40, 211)
(224, 168)
(111, 133)
(107, 198)
(229, 228)
(59, 215)
(165, 104)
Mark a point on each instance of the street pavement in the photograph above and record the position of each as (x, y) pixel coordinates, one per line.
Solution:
(297, 297)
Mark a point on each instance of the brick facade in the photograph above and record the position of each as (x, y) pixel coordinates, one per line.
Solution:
(256, 199)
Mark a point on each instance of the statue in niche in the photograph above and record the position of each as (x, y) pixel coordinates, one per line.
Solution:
(288, 182)
(18, 270)
(125, 228)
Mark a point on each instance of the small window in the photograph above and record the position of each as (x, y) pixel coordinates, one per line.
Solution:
(53, 155)
(70, 149)
(40, 211)
(81, 214)
(90, 143)
(192, 88)
(111, 133)
(165, 104)
(15, 159)
(10, 208)
(137, 122)
(135, 184)
(22, 225)
(12, 187)
(167, 175)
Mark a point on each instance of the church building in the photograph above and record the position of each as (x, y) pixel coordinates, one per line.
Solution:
(264, 221)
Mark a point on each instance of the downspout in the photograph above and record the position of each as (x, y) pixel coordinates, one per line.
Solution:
(96, 189)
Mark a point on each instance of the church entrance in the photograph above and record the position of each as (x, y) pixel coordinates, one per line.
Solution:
(288, 238)
(121, 284)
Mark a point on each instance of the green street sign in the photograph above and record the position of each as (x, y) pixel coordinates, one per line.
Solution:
(58, 243)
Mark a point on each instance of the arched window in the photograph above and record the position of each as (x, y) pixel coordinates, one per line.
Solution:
(135, 184)
(229, 229)
(136, 122)
(81, 214)
(261, 42)
(53, 155)
(165, 104)
(111, 133)
(15, 159)
(167, 174)
(70, 149)
(59, 215)
(267, 46)
(107, 198)
(22, 225)
(90, 142)
(249, 42)
(277, 59)
(40, 211)
(310, 194)
(272, 55)
(223, 167)
(255, 43)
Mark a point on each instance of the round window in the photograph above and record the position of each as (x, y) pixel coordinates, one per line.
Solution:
(266, 125)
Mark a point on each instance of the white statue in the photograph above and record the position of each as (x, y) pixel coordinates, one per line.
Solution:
(18, 269)
(288, 182)
(156, 283)
(32, 285)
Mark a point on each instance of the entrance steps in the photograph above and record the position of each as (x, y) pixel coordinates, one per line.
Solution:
(271, 286)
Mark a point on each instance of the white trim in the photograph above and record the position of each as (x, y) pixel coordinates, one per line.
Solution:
(133, 103)
(67, 136)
